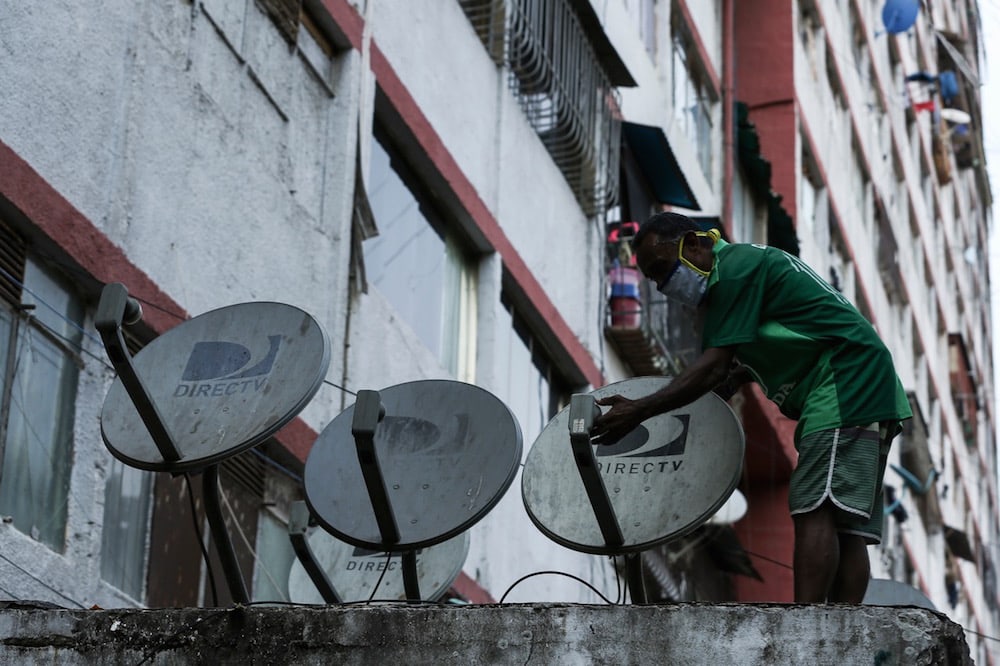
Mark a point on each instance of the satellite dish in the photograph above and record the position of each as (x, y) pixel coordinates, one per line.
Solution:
(732, 511)
(206, 390)
(222, 382)
(884, 592)
(447, 453)
(956, 116)
(899, 15)
(664, 479)
(354, 572)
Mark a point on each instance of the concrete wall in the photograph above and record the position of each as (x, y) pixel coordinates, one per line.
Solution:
(518, 634)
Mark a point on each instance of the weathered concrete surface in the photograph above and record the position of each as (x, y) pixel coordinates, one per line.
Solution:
(510, 634)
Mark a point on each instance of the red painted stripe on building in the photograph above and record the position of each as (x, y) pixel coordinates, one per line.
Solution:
(87, 245)
(347, 19)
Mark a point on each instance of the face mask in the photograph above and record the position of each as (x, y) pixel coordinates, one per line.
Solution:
(686, 283)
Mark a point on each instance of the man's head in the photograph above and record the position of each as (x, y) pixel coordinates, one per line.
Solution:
(666, 238)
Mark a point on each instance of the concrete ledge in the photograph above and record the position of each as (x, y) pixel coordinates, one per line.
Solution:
(510, 634)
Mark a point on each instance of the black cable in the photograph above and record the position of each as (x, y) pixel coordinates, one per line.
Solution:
(10, 595)
(327, 381)
(201, 543)
(991, 638)
(764, 557)
(556, 573)
(408, 602)
(388, 560)
(39, 580)
(276, 465)
(76, 346)
(160, 308)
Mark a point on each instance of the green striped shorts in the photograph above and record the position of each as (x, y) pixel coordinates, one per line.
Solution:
(845, 466)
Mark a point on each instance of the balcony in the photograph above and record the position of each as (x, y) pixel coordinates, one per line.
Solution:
(651, 335)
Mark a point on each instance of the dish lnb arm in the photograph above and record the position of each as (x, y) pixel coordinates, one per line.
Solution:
(583, 411)
(368, 411)
(115, 308)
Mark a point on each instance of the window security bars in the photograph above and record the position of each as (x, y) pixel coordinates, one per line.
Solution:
(566, 95)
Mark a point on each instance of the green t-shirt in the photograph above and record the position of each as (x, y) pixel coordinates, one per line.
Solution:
(810, 350)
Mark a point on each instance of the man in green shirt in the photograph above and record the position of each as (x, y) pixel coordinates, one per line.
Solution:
(814, 355)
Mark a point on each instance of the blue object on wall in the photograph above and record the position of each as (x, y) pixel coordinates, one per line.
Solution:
(899, 15)
(948, 84)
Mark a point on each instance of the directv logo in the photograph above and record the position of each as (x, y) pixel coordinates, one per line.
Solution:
(217, 369)
(637, 445)
(363, 560)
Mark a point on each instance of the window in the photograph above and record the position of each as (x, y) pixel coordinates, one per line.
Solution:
(563, 87)
(813, 208)
(527, 381)
(38, 339)
(418, 264)
(275, 557)
(691, 104)
(127, 505)
(643, 13)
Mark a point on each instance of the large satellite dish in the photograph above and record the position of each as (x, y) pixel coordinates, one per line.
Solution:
(357, 574)
(664, 479)
(211, 387)
(222, 383)
(447, 451)
(406, 468)
(660, 482)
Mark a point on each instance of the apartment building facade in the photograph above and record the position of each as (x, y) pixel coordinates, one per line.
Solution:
(446, 186)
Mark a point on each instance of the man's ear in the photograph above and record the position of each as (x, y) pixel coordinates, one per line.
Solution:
(695, 242)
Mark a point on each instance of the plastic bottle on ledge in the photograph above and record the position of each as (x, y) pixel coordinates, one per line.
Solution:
(626, 308)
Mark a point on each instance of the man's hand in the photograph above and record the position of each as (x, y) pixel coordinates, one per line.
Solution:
(624, 416)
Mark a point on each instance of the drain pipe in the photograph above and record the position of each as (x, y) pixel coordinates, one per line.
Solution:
(728, 102)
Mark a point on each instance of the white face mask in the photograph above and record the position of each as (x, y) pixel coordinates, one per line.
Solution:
(684, 285)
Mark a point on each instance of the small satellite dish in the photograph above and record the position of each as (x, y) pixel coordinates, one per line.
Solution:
(664, 479)
(354, 572)
(899, 15)
(448, 451)
(732, 511)
(884, 592)
(956, 116)
(222, 382)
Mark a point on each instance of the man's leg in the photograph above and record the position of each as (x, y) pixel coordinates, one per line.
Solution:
(851, 580)
(817, 553)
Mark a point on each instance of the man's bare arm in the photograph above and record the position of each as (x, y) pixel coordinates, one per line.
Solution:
(707, 372)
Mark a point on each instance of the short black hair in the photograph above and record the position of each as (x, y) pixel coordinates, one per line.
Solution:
(667, 226)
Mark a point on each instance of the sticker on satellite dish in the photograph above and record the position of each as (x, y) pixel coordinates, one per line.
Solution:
(664, 479)
(354, 572)
(217, 369)
(222, 382)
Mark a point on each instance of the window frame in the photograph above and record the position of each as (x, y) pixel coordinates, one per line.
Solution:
(457, 326)
(24, 324)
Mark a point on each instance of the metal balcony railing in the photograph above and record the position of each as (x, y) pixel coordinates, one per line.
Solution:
(566, 95)
(654, 335)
